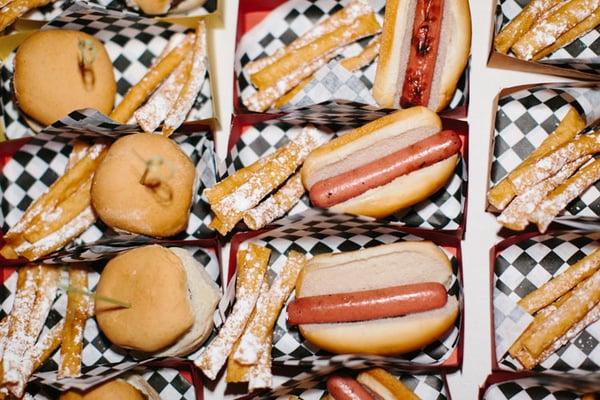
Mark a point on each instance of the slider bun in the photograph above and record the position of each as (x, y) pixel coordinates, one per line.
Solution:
(172, 301)
(455, 46)
(124, 203)
(374, 268)
(48, 81)
(187, 5)
(384, 385)
(408, 125)
(160, 7)
(110, 390)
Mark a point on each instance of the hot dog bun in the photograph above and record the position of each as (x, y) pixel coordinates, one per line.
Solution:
(452, 57)
(172, 300)
(385, 385)
(374, 268)
(370, 142)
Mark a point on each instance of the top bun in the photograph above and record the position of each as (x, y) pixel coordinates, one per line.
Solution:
(56, 54)
(159, 7)
(144, 185)
(111, 390)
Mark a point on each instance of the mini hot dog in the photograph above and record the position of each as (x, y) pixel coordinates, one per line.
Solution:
(342, 387)
(395, 295)
(425, 48)
(382, 167)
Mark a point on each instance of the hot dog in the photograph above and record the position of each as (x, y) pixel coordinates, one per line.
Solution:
(425, 48)
(342, 387)
(413, 275)
(367, 305)
(382, 167)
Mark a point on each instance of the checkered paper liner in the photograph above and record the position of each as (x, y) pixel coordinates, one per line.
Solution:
(55, 8)
(583, 54)
(169, 383)
(311, 386)
(538, 388)
(316, 233)
(132, 43)
(525, 266)
(526, 117)
(101, 360)
(443, 210)
(41, 161)
(332, 84)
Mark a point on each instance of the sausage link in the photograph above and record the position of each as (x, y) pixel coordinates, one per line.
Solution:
(367, 305)
(342, 387)
(339, 188)
(424, 49)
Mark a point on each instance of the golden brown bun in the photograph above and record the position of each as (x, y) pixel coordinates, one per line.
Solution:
(385, 385)
(403, 191)
(159, 7)
(374, 268)
(116, 389)
(152, 279)
(123, 202)
(48, 81)
(454, 51)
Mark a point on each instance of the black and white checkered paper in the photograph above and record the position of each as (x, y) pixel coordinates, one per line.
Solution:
(538, 388)
(101, 360)
(443, 210)
(583, 54)
(315, 233)
(132, 43)
(333, 86)
(525, 266)
(310, 386)
(169, 383)
(42, 160)
(526, 117)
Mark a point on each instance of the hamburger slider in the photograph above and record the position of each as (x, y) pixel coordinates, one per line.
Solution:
(171, 301)
(129, 387)
(144, 186)
(159, 7)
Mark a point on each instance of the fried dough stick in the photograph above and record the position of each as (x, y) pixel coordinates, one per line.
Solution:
(17, 8)
(500, 195)
(252, 265)
(77, 315)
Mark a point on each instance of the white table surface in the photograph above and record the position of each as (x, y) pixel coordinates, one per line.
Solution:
(481, 233)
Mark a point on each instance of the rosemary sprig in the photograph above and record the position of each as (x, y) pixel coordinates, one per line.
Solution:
(94, 295)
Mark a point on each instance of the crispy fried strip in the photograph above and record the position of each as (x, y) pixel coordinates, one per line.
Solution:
(263, 99)
(564, 194)
(196, 73)
(17, 8)
(579, 30)
(546, 31)
(230, 209)
(77, 315)
(150, 115)
(500, 195)
(343, 17)
(573, 310)
(363, 26)
(260, 373)
(58, 239)
(138, 93)
(550, 164)
(521, 23)
(65, 211)
(252, 265)
(351, 64)
(78, 152)
(516, 216)
(267, 310)
(17, 337)
(275, 205)
(47, 345)
(236, 372)
(561, 284)
(59, 191)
